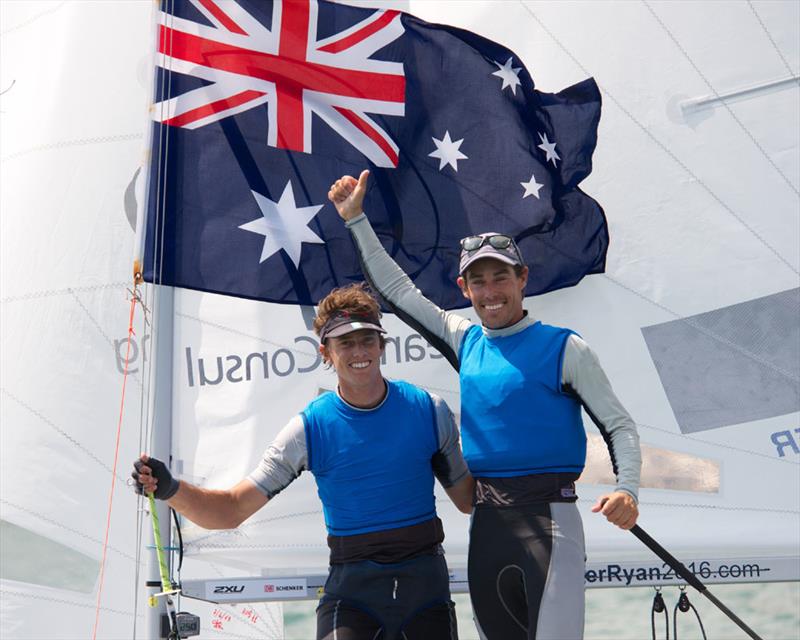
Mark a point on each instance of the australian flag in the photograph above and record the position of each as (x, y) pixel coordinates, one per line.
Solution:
(260, 106)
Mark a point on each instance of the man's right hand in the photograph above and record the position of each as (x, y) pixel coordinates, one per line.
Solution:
(347, 195)
(152, 476)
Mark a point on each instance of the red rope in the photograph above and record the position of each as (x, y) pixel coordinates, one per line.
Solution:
(114, 470)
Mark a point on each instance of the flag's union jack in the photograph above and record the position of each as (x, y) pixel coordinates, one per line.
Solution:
(287, 67)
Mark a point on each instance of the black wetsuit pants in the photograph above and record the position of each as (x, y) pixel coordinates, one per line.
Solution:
(408, 600)
(526, 572)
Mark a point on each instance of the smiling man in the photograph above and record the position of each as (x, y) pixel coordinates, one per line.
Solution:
(523, 384)
(374, 448)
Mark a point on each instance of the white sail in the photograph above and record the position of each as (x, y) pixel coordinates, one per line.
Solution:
(73, 122)
(695, 319)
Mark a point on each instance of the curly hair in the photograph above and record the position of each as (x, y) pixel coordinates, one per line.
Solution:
(355, 298)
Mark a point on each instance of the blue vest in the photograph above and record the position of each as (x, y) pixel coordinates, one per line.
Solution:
(373, 468)
(515, 420)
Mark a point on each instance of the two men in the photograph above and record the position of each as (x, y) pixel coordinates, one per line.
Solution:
(374, 447)
(523, 384)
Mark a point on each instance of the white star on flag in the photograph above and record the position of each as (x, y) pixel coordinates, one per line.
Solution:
(447, 151)
(509, 75)
(284, 225)
(549, 148)
(531, 188)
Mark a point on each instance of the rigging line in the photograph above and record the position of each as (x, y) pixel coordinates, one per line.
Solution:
(215, 325)
(718, 444)
(159, 208)
(65, 144)
(49, 520)
(36, 596)
(663, 146)
(62, 292)
(238, 530)
(58, 430)
(33, 19)
(705, 331)
(163, 127)
(713, 507)
(137, 574)
(207, 545)
(771, 39)
(144, 396)
(100, 330)
(114, 474)
(158, 227)
(146, 428)
(722, 100)
(147, 424)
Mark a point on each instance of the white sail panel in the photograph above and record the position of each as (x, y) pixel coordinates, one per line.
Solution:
(73, 116)
(702, 211)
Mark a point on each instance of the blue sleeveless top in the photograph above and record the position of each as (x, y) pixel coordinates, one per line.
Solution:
(515, 420)
(373, 467)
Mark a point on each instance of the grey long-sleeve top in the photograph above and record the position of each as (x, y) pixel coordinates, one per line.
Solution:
(581, 372)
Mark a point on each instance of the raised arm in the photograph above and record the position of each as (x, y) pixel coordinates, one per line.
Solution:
(444, 330)
(583, 375)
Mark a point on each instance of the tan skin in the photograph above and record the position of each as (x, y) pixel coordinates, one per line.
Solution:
(356, 358)
(496, 293)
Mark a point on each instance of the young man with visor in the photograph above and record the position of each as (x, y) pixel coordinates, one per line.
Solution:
(374, 447)
(523, 384)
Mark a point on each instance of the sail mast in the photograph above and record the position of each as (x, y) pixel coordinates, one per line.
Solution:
(160, 441)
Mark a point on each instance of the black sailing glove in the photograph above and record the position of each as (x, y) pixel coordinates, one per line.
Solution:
(167, 485)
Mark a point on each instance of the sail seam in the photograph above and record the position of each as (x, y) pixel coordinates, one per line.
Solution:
(707, 332)
(718, 444)
(65, 527)
(61, 292)
(662, 146)
(720, 98)
(66, 144)
(706, 506)
(33, 19)
(62, 433)
(9, 592)
(771, 39)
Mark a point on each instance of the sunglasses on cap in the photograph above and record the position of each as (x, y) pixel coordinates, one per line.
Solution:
(497, 240)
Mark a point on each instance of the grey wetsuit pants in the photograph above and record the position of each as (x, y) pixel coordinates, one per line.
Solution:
(526, 572)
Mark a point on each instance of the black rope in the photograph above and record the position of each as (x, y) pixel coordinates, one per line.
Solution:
(180, 542)
(659, 607)
(689, 577)
(684, 605)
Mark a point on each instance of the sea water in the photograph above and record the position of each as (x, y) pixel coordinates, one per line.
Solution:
(772, 610)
